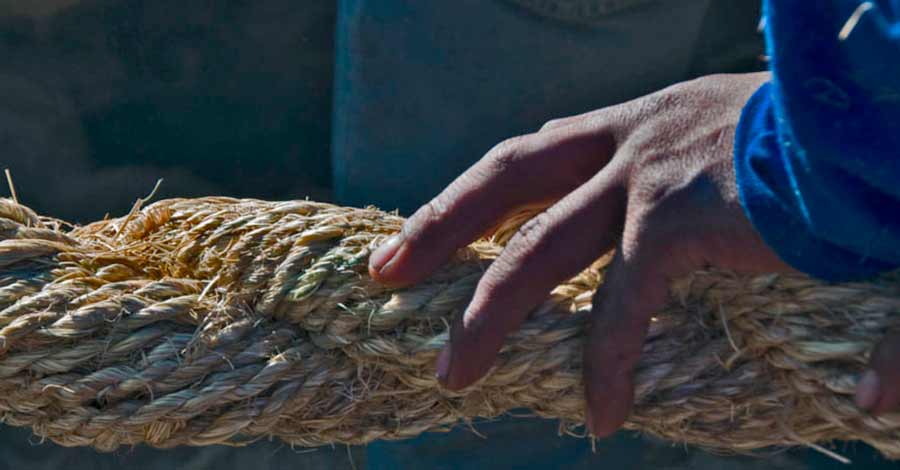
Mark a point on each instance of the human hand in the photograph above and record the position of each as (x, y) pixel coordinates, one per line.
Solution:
(652, 178)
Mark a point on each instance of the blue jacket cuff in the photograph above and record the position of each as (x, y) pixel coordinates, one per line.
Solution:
(770, 197)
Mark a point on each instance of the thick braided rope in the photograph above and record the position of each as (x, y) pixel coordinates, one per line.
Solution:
(206, 321)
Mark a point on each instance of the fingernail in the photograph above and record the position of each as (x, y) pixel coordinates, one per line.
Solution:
(868, 390)
(443, 365)
(384, 253)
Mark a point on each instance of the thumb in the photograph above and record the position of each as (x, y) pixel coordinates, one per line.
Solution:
(632, 292)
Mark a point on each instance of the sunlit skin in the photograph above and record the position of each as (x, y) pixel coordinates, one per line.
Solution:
(652, 179)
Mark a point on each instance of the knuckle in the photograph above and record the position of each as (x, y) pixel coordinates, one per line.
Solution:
(529, 239)
(533, 230)
(426, 220)
(677, 96)
(666, 99)
(555, 124)
(435, 211)
(505, 155)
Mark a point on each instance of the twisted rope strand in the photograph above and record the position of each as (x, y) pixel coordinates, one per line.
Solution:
(211, 321)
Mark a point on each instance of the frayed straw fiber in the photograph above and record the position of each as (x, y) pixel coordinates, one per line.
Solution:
(208, 321)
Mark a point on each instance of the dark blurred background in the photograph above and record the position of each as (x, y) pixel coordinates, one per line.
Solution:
(100, 98)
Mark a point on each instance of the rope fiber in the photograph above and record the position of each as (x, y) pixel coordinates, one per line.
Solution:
(222, 321)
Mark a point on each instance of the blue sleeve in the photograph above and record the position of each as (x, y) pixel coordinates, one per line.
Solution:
(817, 150)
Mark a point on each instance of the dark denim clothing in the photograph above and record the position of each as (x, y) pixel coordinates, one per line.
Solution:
(424, 89)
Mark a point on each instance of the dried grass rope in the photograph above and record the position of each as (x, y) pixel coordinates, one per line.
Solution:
(208, 321)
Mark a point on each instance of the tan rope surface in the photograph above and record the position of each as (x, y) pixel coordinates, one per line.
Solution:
(205, 321)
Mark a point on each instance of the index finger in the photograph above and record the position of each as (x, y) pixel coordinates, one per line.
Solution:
(534, 169)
